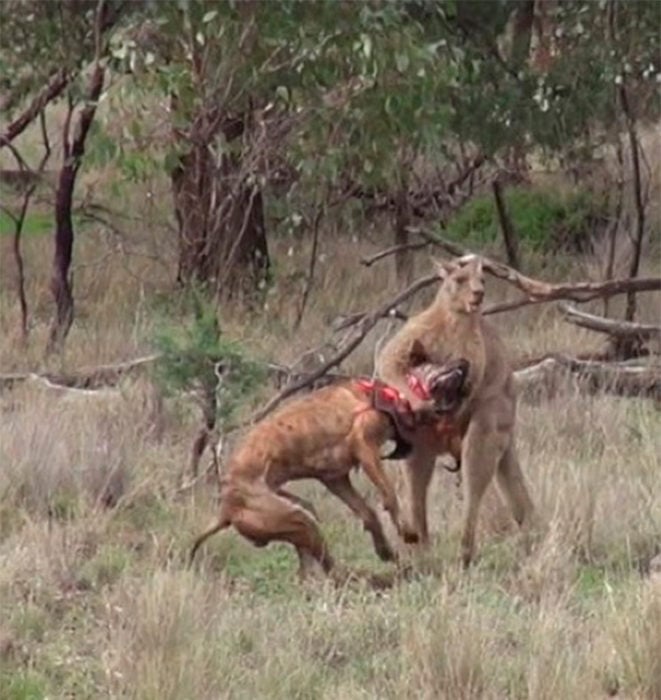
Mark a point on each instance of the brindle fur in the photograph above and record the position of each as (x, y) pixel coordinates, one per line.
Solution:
(323, 436)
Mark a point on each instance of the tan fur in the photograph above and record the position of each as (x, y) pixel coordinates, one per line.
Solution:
(451, 327)
(322, 436)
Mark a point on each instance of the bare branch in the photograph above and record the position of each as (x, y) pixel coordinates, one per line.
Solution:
(344, 321)
(537, 291)
(49, 92)
(393, 250)
(353, 339)
(312, 265)
(20, 220)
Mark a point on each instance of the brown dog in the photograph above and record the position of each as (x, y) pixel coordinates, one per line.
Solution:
(323, 436)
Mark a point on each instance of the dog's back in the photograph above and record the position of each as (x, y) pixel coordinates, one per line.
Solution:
(306, 436)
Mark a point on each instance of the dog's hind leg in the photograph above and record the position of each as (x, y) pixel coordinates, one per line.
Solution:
(298, 501)
(267, 517)
(344, 490)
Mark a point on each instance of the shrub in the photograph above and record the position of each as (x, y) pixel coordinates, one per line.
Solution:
(195, 356)
(544, 220)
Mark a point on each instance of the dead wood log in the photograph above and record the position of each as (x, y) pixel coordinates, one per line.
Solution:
(90, 378)
(632, 378)
(613, 327)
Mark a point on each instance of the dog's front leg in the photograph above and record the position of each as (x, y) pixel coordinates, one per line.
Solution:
(344, 490)
(369, 460)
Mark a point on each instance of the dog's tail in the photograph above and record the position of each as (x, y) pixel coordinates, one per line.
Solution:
(219, 524)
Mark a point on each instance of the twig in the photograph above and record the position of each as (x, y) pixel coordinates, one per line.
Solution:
(20, 220)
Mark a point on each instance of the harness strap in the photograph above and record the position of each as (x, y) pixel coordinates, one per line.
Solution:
(418, 387)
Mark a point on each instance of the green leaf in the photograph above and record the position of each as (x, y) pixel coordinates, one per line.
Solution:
(209, 16)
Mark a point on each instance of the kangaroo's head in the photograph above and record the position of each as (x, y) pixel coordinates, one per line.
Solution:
(462, 287)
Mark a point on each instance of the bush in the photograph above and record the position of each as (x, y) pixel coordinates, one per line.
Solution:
(195, 356)
(544, 220)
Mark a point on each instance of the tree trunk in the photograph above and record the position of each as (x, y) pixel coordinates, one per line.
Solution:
(220, 215)
(509, 234)
(60, 283)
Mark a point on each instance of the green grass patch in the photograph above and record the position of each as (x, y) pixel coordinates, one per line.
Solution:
(21, 685)
(35, 224)
(106, 566)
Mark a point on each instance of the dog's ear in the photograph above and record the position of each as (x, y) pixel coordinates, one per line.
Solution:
(417, 354)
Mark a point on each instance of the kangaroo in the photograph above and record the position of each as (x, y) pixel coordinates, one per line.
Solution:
(453, 326)
(324, 435)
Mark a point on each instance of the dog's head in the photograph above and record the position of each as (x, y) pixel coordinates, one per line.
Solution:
(445, 384)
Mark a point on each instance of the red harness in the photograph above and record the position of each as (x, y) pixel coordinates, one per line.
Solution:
(394, 402)
(384, 393)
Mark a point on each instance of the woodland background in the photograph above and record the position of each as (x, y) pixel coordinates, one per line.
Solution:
(260, 186)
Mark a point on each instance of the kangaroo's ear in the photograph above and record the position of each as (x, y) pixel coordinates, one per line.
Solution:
(469, 260)
(417, 354)
(444, 267)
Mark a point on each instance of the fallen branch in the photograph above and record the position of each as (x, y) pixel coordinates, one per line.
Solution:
(353, 339)
(87, 378)
(622, 329)
(539, 293)
(628, 378)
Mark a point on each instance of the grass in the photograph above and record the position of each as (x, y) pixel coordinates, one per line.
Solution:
(98, 602)
(35, 224)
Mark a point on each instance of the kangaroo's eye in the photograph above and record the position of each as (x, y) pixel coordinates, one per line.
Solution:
(462, 279)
